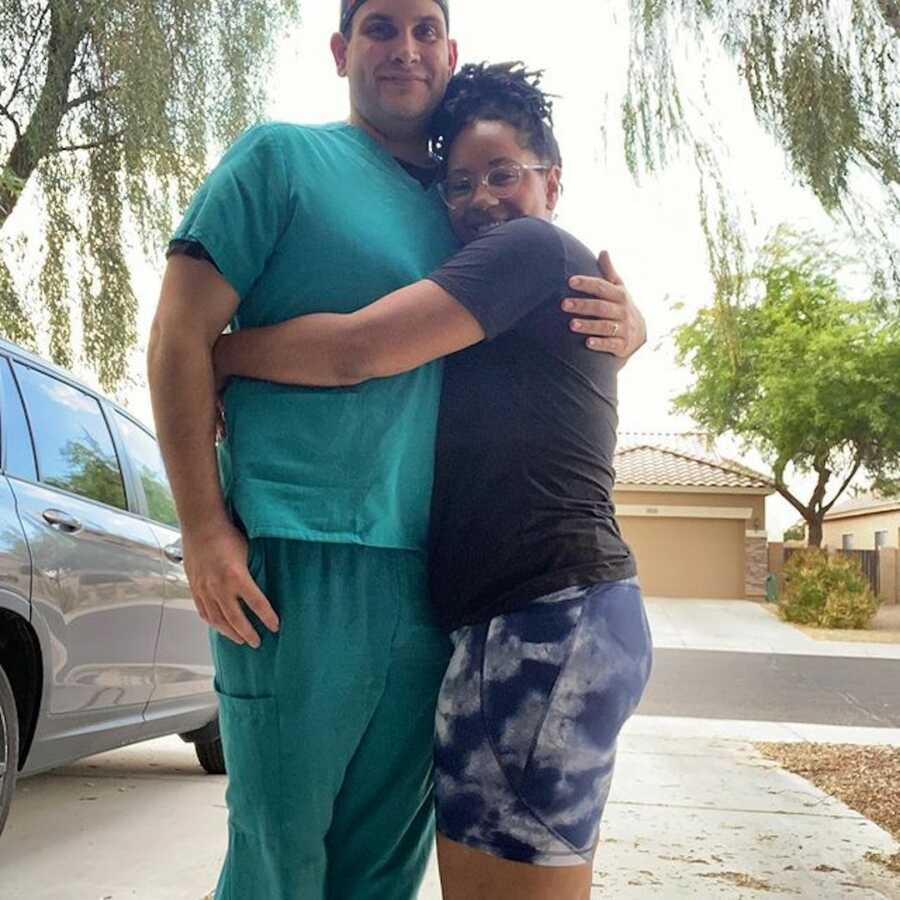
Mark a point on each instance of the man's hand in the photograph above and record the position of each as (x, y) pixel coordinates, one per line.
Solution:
(216, 568)
(616, 325)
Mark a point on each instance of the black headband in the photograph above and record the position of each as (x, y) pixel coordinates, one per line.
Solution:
(349, 9)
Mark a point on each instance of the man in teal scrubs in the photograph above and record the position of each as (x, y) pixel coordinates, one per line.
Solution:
(310, 567)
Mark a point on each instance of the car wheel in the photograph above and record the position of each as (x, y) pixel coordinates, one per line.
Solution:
(9, 746)
(211, 756)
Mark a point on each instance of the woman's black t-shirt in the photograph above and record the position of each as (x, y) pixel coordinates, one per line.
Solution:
(522, 500)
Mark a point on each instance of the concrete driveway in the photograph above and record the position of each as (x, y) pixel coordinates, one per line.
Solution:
(142, 822)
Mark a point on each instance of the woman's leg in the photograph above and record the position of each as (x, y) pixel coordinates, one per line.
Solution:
(526, 729)
(469, 874)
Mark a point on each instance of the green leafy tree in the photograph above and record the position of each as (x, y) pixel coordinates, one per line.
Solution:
(91, 472)
(795, 532)
(108, 108)
(823, 77)
(160, 503)
(797, 371)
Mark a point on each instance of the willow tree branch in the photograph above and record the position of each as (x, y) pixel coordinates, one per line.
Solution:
(9, 117)
(66, 33)
(92, 145)
(24, 67)
(87, 97)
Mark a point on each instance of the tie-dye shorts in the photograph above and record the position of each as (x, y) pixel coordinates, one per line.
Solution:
(527, 721)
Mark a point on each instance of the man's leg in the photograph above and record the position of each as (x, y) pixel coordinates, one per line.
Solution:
(382, 833)
(294, 711)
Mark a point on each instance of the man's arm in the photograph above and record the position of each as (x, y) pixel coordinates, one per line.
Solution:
(615, 325)
(195, 304)
(399, 332)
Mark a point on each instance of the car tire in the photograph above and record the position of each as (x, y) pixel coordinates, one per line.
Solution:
(211, 756)
(9, 746)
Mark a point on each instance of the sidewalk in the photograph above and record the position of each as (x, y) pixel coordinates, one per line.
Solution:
(743, 626)
(697, 817)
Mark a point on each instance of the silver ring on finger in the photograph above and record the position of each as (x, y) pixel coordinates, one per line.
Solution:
(615, 329)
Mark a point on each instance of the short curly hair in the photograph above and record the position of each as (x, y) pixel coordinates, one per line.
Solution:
(503, 92)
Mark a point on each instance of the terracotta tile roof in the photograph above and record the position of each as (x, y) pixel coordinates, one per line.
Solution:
(865, 503)
(681, 460)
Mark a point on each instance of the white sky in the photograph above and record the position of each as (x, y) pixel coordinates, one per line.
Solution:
(652, 229)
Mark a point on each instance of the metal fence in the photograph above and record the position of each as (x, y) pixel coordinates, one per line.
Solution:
(867, 560)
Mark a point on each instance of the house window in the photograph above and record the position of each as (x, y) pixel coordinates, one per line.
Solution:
(880, 539)
(847, 541)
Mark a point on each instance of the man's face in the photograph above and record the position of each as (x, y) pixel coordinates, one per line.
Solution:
(398, 60)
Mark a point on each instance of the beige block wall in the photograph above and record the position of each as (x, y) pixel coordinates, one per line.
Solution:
(863, 529)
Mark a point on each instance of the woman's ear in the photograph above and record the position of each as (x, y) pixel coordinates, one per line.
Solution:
(554, 187)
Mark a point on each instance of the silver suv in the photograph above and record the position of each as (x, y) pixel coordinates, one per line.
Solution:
(100, 643)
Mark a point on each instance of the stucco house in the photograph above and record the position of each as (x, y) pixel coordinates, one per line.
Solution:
(867, 522)
(695, 520)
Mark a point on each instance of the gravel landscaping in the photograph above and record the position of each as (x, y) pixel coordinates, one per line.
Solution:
(883, 629)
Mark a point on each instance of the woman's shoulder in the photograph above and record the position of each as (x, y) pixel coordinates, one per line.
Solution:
(532, 233)
(524, 239)
(529, 228)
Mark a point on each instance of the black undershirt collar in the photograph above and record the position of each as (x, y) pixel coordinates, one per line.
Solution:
(425, 175)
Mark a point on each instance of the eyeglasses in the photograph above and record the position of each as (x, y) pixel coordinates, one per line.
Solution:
(501, 182)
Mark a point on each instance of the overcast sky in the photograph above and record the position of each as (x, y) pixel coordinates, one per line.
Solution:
(652, 229)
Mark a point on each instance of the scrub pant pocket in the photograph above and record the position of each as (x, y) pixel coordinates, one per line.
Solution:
(327, 727)
(251, 738)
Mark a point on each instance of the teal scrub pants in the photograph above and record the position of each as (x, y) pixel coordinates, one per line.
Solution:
(328, 727)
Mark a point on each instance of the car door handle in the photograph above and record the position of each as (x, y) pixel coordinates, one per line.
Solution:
(62, 521)
(174, 553)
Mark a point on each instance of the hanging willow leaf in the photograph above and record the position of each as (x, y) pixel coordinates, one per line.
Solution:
(108, 109)
(823, 77)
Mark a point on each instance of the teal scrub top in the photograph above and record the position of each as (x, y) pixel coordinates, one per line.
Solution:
(302, 219)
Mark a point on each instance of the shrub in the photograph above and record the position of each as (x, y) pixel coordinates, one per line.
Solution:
(827, 591)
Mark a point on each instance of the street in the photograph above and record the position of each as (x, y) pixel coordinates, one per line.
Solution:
(774, 687)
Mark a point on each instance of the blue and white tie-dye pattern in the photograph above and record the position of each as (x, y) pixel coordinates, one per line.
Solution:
(527, 721)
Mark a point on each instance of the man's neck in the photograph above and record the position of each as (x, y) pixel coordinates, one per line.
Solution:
(411, 148)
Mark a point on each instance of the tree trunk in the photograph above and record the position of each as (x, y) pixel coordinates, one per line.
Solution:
(814, 527)
(890, 9)
(66, 32)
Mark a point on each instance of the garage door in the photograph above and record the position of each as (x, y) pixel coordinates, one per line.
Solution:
(688, 557)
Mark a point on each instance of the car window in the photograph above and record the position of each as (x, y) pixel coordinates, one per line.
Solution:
(144, 453)
(74, 449)
(19, 460)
